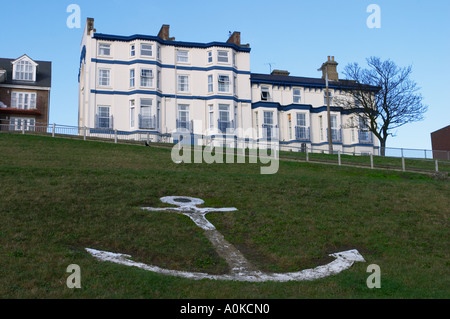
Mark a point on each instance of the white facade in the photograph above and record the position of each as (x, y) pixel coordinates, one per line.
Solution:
(296, 108)
(145, 83)
(158, 85)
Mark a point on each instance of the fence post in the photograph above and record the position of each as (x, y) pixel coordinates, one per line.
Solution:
(115, 136)
(307, 153)
(84, 133)
(403, 162)
(53, 130)
(148, 138)
(23, 128)
(437, 166)
(371, 160)
(339, 158)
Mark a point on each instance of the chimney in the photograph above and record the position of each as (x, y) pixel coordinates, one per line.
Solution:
(235, 38)
(164, 33)
(90, 26)
(280, 72)
(331, 67)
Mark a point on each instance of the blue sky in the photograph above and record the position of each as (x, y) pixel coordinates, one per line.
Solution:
(293, 35)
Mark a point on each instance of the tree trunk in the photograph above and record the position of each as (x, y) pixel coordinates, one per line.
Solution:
(383, 147)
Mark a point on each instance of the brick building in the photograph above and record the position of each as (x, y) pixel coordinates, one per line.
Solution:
(24, 93)
(440, 142)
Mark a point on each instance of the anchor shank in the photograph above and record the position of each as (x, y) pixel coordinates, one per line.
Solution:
(235, 260)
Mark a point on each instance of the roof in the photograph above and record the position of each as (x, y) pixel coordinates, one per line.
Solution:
(287, 80)
(43, 74)
(109, 37)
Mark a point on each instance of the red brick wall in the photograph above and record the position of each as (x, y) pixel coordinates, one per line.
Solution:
(42, 104)
(440, 141)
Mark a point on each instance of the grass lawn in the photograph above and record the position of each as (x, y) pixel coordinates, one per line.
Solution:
(60, 196)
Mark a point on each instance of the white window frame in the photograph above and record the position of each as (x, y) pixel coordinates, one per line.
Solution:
(183, 112)
(223, 81)
(104, 74)
(209, 57)
(265, 93)
(148, 51)
(16, 123)
(148, 78)
(24, 70)
(158, 52)
(132, 50)
(210, 83)
(104, 49)
(296, 98)
(158, 79)
(183, 86)
(182, 56)
(211, 117)
(99, 107)
(132, 113)
(132, 78)
(23, 100)
(223, 56)
(330, 94)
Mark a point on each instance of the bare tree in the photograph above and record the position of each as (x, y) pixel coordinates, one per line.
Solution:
(383, 96)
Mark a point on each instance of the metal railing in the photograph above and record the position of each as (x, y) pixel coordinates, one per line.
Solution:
(302, 133)
(225, 126)
(403, 159)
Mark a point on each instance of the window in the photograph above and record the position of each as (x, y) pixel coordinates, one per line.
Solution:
(224, 117)
(210, 83)
(222, 56)
(330, 95)
(300, 130)
(183, 83)
(363, 130)
(146, 78)
(158, 115)
(158, 79)
(132, 113)
(132, 77)
(335, 132)
(24, 71)
(133, 50)
(358, 98)
(224, 83)
(146, 50)
(268, 118)
(23, 100)
(234, 58)
(103, 117)
(211, 117)
(158, 52)
(145, 118)
(210, 57)
(265, 93)
(297, 95)
(268, 125)
(183, 117)
(321, 127)
(146, 107)
(104, 77)
(17, 124)
(182, 56)
(235, 85)
(104, 49)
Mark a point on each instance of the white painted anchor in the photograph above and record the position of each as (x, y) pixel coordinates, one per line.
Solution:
(241, 268)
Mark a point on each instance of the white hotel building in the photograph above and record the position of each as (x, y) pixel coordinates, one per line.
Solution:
(156, 85)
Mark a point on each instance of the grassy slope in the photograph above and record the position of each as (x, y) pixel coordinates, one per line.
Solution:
(59, 196)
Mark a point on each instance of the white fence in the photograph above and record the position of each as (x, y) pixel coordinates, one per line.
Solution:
(395, 158)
